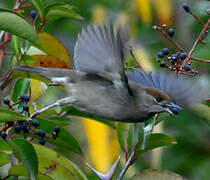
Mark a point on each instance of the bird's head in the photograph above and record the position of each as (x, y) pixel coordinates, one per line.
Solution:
(156, 101)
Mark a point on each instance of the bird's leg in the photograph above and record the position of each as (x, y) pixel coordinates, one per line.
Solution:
(60, 102)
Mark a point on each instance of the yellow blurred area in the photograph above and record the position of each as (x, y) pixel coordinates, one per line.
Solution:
(144, 9)
(102, 144)
(163, 10)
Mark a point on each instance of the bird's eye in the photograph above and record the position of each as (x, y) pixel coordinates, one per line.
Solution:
(158, 99)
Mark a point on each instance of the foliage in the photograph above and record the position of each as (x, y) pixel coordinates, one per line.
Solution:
(33, 44)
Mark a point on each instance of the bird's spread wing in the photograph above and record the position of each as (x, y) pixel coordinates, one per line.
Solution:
(100, 50)
(183, 91)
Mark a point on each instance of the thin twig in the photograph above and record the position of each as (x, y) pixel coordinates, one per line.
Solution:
(197, 18)
(137, 62)
(128, 163)
(196, 43)
(200, 60)
(165, 35)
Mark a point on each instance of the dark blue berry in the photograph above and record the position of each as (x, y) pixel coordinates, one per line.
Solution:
(17, 129)
(41, 133)
(24, 97)
(57, 129)
(165, 51)
(10, 123)
(187, 67)
(174, 57)
(33, 14)
(183, 56)
(160, 54)
(25, 107)
(162, 64)
(175, 111)
(42, 141)
(171, 32)
(186, 7)
(3, 134)
(35, 123)
(26, 129)
(6, 101)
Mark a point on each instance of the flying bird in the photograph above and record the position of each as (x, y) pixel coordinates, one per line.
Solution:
(100, 86)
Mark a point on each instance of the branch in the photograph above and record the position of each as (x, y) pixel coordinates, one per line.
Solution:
(196, 43)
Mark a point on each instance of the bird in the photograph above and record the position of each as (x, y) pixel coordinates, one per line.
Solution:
(99, 84)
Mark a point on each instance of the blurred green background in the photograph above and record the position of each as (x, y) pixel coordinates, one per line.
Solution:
(191, 156)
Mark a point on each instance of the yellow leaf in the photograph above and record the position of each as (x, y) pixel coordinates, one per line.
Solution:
(37, 89)
(53, 47)
(48, 61)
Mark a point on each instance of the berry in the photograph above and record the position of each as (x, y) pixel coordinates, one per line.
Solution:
(187, 67)
(160, 54)
(162, 64)
(165, 51)
(42, 141)
(171, 32)
(186, 7)
(41, 133)
(3, 134)
(24, 97)
(33, 14)
(35, 123)
(25, 127)
(17, 129)
(175, 111)
(183, 56)
(6, 101)
(10, 123)
(57, 129)
(174, 57)
(25, 107)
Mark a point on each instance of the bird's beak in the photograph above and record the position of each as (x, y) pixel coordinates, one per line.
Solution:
(173, 109)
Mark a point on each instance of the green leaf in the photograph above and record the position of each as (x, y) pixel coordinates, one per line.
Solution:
(20, 170)
(64, 143)
(4, 159)
(125, 136)
(14, 23)
(75, 112)
(157, 140)
(157, 174)
(54, 13)
(39, 6)
(25, 152)
(4, 147)
(7, 115)
(16, 45)
(21, 86)
(53, 156)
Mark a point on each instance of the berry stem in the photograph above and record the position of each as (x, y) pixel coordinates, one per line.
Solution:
(137, 62)
(197, 17)
(196, 43)
(200, 60)
(165, 35)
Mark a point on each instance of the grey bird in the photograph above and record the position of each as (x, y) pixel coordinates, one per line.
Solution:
(100, 86)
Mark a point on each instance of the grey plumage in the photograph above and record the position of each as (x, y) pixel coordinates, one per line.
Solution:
(100, 86)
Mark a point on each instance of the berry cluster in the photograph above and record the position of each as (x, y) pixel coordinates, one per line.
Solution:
(174, 61)
(27, 126)
(180, 61)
